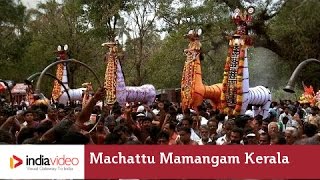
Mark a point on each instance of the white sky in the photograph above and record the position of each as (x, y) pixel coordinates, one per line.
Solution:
(31, 3)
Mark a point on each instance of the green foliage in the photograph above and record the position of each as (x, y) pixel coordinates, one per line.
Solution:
(279, 94)
(165, 67)
(104, 16)
(296, 29)
(136, 64)
(13, 39)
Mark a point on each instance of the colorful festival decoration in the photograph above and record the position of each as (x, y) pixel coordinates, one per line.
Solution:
(317, 99)
(236, 94)
(30, 94)
(58, 92)
(193, 91)
(309, 96)
(116, 89)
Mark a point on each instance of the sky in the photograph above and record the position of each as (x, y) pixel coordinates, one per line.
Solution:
(31, 3)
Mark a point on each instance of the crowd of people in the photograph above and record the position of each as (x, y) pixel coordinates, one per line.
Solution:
(162, 123)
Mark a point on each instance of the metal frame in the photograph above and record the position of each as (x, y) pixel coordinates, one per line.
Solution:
(290, 85)
(30, 78)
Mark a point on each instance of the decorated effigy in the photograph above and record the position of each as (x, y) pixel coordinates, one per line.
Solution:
(309, 96)
(236, 94)
(59, 94)
(116, 89)
(193, 91)
(30, 94)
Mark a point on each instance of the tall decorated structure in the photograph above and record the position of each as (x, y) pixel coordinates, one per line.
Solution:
(193, 91)
(116, 89)
(236, 94)
(59, 94)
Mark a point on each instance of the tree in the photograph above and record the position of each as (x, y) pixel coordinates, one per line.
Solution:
(104, 16)
(143, 40)
(13, 37)
(59, 24)
(296, 29)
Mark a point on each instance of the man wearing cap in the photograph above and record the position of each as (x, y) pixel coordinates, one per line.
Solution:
(251, 139)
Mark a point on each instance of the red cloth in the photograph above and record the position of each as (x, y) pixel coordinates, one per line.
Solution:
(2, 87)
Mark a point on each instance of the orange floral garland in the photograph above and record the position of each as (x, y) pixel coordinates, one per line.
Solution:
(236, 108)
(187, 82)
(56, 92)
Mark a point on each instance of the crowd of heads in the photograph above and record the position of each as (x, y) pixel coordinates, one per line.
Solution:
(162, 123)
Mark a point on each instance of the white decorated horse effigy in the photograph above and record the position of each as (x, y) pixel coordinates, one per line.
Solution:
(59, 94)
(236, 94)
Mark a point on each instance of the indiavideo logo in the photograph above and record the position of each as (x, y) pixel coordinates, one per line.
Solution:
(14, 164)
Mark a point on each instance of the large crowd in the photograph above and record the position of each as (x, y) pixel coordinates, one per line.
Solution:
(162, 123)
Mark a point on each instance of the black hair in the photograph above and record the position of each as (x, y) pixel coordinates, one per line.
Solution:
(5, 137)
(172, 126)
(28, 112)
(41, 115)
(241, 121)
(25, 133)
(285, 119)
(33, 140)
(112, 138)
(310, 129)
(266, 134)
(185, 129)
(154, 132)
(44, 127)
(213, 119)
(132, 142)
(258, 117)
(146, 119)
(281, 140)
(189, 119)
(163, 135)
(96, 110)
(120, 128)
(73, 137)
(238, 130)
(62, 128)
(248, 130)
(117, 111)
(268, 120)
(220, 117)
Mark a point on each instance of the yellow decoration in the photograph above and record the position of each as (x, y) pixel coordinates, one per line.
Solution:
(56, 91)
(110, 83)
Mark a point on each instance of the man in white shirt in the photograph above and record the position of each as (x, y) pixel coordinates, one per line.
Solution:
(187, 122)
(227, 128)
(287, 114)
